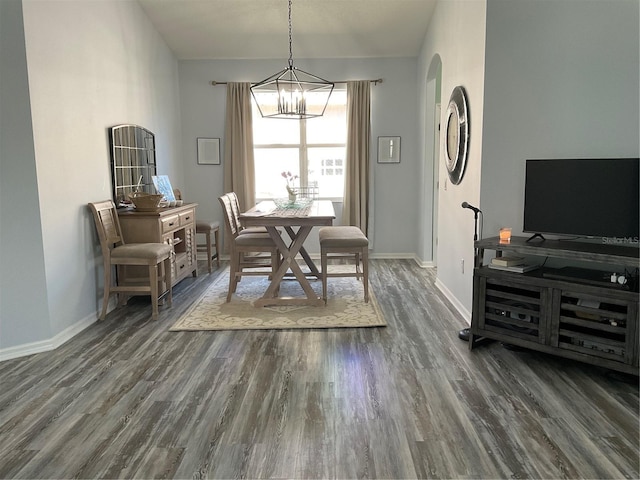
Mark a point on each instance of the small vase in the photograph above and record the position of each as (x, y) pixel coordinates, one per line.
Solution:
(292, 197)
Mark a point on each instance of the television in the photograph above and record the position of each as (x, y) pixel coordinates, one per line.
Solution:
(583, 197)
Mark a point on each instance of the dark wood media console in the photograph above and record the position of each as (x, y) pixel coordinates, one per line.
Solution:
(546, 310)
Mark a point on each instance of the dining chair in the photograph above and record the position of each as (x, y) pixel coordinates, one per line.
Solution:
(209, 229)
(116, 252)
(339, 242)
(235, 206)
(242, 244)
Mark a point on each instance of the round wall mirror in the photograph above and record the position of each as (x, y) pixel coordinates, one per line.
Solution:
(457, 135)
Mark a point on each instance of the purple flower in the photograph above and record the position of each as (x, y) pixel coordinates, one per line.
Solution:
(289, 176)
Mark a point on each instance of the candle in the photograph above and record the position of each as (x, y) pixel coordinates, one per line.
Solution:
(505, 235)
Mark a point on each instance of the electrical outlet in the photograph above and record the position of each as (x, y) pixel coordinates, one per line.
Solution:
(462, 265)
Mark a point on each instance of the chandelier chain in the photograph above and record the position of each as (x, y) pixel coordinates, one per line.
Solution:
(290, 41)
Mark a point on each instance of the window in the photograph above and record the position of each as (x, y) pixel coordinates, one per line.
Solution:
(314, 149)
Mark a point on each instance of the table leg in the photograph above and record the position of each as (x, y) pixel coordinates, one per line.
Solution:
(289, 262)
(303, 252)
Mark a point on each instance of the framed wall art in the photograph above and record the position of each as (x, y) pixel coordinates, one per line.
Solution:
(208, 151)
(388, 149)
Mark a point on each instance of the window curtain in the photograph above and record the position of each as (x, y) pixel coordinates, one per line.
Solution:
(239, 171)
(356, 207)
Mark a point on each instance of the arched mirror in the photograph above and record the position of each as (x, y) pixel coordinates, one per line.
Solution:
(133, 161)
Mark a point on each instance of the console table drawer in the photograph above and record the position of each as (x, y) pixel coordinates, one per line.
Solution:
(187, 218)
(169, 224)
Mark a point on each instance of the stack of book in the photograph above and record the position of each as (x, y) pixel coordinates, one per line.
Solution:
(511, 264)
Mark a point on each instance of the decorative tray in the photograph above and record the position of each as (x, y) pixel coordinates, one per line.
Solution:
(298, 203)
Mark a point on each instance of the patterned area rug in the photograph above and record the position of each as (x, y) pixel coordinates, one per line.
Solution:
(345, 307)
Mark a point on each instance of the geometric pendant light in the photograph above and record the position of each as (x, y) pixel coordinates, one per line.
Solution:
(292, 93)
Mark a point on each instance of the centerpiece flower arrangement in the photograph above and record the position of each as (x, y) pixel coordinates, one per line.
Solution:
(289, 177)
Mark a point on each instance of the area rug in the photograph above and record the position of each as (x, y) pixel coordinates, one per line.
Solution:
(345, 307)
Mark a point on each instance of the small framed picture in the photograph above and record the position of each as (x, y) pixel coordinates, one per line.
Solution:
(163, 187)
(208, 151)
(388, 149)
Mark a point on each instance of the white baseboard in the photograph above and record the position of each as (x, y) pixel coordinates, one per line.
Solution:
(48, 344)
(454, 301)
(422, 263)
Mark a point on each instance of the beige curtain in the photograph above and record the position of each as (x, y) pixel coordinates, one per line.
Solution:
(356, 206)
(239, 171)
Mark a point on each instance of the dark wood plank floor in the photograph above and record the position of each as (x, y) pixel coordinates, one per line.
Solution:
(128, 399)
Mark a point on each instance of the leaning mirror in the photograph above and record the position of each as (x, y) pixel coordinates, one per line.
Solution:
(133, 161)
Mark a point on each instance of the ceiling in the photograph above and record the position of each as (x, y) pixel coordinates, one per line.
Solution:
(258, 29)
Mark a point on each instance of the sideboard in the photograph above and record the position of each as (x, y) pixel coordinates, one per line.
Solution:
(584, 316)
(173, 225)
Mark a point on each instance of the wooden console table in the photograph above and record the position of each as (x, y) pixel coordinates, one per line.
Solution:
(573, 317)
(174, 225)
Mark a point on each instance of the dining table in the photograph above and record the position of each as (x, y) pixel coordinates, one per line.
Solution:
(297, 220)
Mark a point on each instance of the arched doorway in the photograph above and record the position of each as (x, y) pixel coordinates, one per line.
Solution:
(432, 155)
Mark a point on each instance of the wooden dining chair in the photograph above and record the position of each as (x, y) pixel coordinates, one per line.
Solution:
(344, 241)
(235, 207)
(209, 230)
(116, 252)
(240, 245)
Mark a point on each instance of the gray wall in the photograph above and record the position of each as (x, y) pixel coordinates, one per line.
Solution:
(562, 81)
(24, 316)
(554, 79)
(89, 66)
(393, 112)
(456, 39)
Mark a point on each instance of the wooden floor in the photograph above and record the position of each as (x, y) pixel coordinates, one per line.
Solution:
(126, 398)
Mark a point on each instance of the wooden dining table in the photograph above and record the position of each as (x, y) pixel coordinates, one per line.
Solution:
(297, 223)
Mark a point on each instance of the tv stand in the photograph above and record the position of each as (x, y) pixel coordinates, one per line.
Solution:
(583, 275)
(536, 235)
(583, 318)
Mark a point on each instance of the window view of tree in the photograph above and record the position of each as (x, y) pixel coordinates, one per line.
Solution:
(314, 149)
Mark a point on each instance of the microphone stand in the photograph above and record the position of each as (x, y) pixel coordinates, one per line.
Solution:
(465, 333)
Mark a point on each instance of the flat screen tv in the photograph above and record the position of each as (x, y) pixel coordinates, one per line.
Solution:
(583, 197)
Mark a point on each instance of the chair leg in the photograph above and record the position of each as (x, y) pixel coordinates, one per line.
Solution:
(323, 266)
(216, 237)
(365, 273)
(153, 284)
(168, 280)
(107, 290)
(208, 238)
(233, 269)
(122, 297)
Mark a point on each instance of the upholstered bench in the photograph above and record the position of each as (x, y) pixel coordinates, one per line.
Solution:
(206, 229)
(340, 242)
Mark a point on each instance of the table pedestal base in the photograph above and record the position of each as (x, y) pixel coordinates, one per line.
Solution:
(289, 262)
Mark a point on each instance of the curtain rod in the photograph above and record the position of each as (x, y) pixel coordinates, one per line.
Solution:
(375, 82)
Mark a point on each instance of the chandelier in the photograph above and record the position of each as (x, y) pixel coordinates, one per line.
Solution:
(292, 93)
